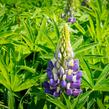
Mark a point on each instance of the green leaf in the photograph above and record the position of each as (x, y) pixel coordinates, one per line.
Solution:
(77, 43)
(56, 101)
(104, 73)
(68, 103)
(90, 103)
(56, 28)
(2, 106)
(4, 71)
(92, 28)
(80, 28)
(83, 99)
(85, 48)
(100, 104)
(87, 75)
(99, 5)
(102, 86)
(4, 82)
(26, 68)
(25, 85)
(88, 10)
(6, 34)
(75, 103)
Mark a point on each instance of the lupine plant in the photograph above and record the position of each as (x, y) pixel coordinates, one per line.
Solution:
(63, 70)
(75, 78)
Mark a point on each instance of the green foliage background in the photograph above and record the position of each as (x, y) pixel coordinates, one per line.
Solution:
(29, 32)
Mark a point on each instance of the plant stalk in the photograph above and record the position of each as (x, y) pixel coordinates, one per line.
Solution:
(11, 100)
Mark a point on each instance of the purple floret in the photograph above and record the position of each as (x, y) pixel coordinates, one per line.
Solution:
(79, 74)
(49, 74)
(72, 20)
(63, 84)
(69, 91)
(76, 92)
(75, 85)
(69, 77)
(50, 65)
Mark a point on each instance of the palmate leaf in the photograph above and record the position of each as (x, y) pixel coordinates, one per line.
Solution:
(102, 83)
(4, 71)
(99, 5)
(26, 68)
(85, 48)
(41, 37)
(104, 73)
(56, 29)
(87, 75)
(85, 83)
(44, 35)
(3, 42)
(83, 98)
(100, 104)
(7, 38)
(88, 10)
(68, 103)
(77, 43)
(77, 102)
(56, 101)
(4, 82)
(6, 34)
(90, 103)
(24, 85)
(98, 27)
(31, 36)
(20, 83)
(102, 86)
(91, 28)
(28, 43)
(71, 104)
(80, 28)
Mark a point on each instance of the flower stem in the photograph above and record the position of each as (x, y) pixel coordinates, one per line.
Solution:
(11, 100)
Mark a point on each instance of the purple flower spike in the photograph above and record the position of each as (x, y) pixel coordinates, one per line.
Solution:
(75, 85)
(59, 55)
(79, 74)
(76, 92)
(76, 65)
(69, 77)
(63, 83)
(50, 65)
(47, 91)
(46, 84)
(76, 61)
(62, 71)
(52, 82)
(56, 94)
(69, 91)
(49, 74)
(72, 20)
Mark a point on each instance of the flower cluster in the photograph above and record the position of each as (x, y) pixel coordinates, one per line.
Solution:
(63, 70)
(67, 15)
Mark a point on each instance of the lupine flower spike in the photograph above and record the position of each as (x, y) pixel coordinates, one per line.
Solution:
(63, 70)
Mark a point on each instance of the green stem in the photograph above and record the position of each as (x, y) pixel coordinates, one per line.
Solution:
(11, 100)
